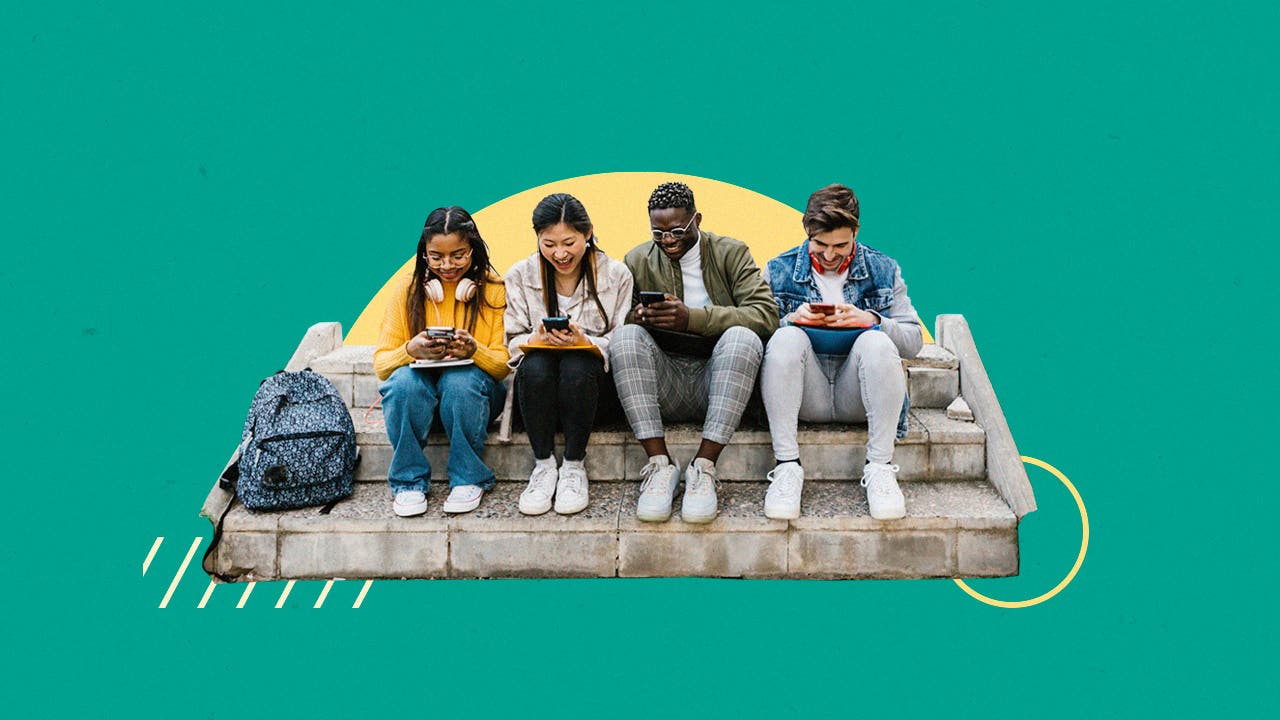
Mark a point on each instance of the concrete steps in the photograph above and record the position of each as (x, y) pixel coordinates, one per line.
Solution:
(966, 490)
(952, 529)
(935, 448)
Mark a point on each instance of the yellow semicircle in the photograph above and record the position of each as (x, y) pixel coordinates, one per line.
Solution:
(618, 205)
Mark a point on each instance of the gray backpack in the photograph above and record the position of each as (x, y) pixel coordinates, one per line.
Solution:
(298, 447)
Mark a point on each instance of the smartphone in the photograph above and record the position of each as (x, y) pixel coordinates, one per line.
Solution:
(555, 323)
(439, 332)
(648, 297)
(823, 308)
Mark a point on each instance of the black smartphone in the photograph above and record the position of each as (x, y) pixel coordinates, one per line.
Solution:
(649, 297)
(440, 333)
(823, 308)
(555, 323)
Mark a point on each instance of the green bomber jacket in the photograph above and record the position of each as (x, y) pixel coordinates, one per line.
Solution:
(737, 290)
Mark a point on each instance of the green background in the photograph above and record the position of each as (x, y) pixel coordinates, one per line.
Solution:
(185, 191)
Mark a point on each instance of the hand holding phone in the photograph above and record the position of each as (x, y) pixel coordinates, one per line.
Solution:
(650, 297)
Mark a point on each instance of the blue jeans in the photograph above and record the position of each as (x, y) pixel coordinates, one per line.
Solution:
(468, 399)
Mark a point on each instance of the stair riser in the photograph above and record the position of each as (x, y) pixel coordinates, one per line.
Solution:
(739, 462)
(929, 387)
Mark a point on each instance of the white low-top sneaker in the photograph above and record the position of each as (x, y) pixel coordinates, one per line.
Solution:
(883, 494)
(463, 498)
(571, 490)
(782, 500)
(409, 503)
(657, 488)
(536, 499)
(699, 503)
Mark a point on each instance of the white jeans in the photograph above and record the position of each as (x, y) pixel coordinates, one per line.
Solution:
(867, 385)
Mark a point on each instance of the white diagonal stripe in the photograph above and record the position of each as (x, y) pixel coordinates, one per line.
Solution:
(151, 555)
(207, 592)
(323, 594)
(178, 577)
(288, 588)
(248, 589)
(363, 591)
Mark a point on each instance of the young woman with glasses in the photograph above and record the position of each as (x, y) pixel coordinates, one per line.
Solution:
(442, 352)
(562, 376)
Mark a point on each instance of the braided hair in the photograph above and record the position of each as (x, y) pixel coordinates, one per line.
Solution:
(672, 195)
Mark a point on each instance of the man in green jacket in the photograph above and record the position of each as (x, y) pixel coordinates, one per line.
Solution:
(695, 354)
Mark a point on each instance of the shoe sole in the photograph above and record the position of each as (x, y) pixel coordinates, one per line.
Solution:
(790, 515)
(652, 517)
(698, 519)
(572, 509)
(409, 510)
(462, 507)
(534, 510)
(896, 515)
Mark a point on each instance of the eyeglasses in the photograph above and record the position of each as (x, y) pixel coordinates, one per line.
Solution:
(458, 258)
(676, 234)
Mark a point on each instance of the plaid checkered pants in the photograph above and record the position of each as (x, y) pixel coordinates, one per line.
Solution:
(654, 386)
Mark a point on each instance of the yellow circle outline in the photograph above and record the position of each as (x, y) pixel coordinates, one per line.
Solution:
(1084, 547)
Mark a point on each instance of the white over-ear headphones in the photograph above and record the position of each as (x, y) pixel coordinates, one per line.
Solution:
(435, 291)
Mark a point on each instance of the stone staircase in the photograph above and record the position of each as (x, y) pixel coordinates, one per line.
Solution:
(963, 481)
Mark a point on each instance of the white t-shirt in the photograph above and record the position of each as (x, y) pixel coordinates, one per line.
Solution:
(563, 301)
(695, 290)
(832, 286)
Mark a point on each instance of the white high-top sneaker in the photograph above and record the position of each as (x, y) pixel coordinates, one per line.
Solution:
(782, 500)
(571, 490)
(657, 489)
(883, 494)
(699, 502)
(536, 499)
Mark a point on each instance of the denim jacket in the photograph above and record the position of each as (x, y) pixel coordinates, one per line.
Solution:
(874, 284)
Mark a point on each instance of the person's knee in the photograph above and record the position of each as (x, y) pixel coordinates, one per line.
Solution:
(536, 370)
(405, 382)
(741, 342)
(874, 346)
(629, 336)
(580, 367)
(788, 344)
(465, 384)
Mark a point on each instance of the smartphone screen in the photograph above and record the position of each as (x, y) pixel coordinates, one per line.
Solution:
(648, 297)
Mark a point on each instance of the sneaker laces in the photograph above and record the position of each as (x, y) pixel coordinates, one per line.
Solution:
(701, 482)
(542, 481)
(647, 473)
(783, 484)
(877, 484)
(573, 480)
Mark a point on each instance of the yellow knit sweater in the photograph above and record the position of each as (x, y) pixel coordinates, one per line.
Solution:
(491, 351)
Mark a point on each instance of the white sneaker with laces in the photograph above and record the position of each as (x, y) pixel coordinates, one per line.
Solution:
(657, 488)
(536, 499)
(409, 503)
(699, 503)
(782, 500)
(463, 498)
(571, 490)
(883, 494)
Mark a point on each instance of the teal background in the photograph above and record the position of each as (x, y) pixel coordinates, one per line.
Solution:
(186, 190)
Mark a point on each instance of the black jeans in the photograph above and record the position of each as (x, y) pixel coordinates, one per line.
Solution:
(556, 385)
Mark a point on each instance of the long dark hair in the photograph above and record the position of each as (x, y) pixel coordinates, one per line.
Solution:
(567, 209)
(445, 221)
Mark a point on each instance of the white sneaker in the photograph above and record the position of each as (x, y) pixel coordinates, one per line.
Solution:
(782, 500)
(883, 494)
(409, 503)
(536, 499)
(463, 498)
(571, 490)
(699, 502)
(657, 489)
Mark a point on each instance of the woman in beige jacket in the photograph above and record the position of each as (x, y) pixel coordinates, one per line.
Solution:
(562, 372)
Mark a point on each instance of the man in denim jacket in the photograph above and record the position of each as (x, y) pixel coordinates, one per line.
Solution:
(864, 289)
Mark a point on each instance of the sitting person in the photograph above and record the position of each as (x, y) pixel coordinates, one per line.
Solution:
(567, 277)
(453, 287)
(712, 291)
(863, 288)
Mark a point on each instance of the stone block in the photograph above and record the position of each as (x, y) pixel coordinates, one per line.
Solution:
(960, 410)
(519, 554)
(932, 387)
(987, 553)
(935, 356)
(957, 462)
(740, 542)
(871, 553)
(345, 359)
(365, 391)
(364, 555)
(247, 555)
